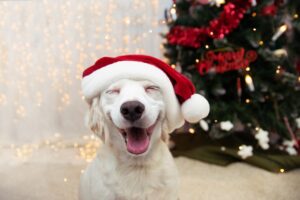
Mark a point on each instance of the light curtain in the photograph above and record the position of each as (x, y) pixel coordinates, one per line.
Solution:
(45, 46)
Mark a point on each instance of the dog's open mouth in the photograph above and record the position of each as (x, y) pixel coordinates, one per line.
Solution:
(137, 139)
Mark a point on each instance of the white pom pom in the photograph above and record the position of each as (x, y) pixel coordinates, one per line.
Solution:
(195, 108)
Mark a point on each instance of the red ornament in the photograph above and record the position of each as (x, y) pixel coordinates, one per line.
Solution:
(218, 28)
(269, 10)
(221, 62)
(187, 36)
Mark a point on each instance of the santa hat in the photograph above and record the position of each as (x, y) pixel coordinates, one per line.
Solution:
(178, 92)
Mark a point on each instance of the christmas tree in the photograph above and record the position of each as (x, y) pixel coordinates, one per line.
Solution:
(243, 56)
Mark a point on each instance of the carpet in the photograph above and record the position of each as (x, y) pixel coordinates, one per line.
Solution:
(54, 175)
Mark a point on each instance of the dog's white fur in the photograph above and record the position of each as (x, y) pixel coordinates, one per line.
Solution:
(116, 174)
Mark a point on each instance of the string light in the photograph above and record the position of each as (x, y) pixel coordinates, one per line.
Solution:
(247, 101)
(279, 32)
(197, 60)
(223, 148)
(191, 130)
(85, 150)
(281, 170)
(206, 46)
(278, 69)
(254, 29)
(261, 42)
(249, 82)
(296, 16)
(248, 69)
(254, 14)
(173, 10)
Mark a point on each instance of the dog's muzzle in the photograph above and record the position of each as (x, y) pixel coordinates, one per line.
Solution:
(137, 139)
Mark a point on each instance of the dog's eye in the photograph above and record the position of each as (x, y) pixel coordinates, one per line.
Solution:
(151, 88)
(113, 91)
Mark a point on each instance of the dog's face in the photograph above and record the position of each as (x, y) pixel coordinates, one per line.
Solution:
(132, 115)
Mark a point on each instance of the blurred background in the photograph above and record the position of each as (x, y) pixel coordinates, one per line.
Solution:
(242, 55)
(46, 45)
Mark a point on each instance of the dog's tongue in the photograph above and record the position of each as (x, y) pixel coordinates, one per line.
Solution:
(137, 140)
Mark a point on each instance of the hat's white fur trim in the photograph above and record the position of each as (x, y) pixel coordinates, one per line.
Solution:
(195, 108)
(99, 80)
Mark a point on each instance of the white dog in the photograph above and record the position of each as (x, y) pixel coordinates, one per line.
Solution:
(135, 102)
(134, 162)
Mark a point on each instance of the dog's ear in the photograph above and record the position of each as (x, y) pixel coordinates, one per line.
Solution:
(165, 132)
(94, 118)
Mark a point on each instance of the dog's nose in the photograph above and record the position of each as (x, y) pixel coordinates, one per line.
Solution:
(132, 110)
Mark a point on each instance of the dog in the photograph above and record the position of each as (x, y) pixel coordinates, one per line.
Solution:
(134, 162)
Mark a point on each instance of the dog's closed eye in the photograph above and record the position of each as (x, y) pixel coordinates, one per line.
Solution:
(151, 88)
(113, 91)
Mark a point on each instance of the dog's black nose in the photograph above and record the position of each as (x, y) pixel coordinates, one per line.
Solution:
(132, 110)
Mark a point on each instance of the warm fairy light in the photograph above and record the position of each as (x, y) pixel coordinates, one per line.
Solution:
(173, 66)
(261, 42)
(249, 82)
(206, 46)
(254, 29)
(283, 28)
(197, 60)
(254, 14)
(281, 170)
(2, 99)
(298, 78)
(248, 69)
(241, 147)
(296, 16)
(127, 20)
(211, 33)
(21, 112)
(191, 130)
(173, 10)
(218, 2)
(257, 128)
(247, 100)
(279, 32)
(278, 69)
(66, 99)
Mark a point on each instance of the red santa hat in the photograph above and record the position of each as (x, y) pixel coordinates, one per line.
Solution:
(182, 103)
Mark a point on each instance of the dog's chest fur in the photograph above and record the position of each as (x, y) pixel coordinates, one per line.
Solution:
(107, 179)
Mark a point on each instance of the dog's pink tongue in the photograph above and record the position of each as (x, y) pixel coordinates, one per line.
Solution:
(137, 140)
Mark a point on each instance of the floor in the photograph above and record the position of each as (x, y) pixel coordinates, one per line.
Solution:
(54, 175)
